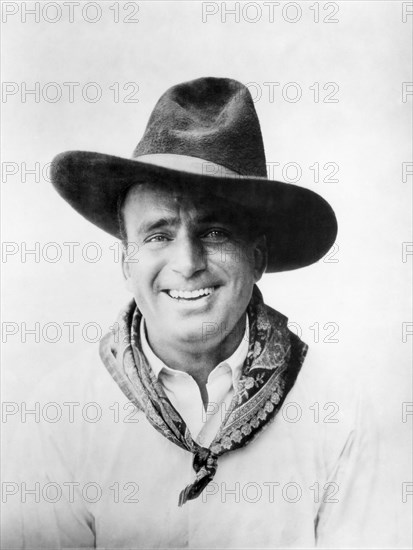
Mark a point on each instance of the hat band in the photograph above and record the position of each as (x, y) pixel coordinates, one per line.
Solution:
(186, 163)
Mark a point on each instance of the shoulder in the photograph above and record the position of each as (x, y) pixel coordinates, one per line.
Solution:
(324, 377)
(75, 403)
(338, 403)
(81, 376)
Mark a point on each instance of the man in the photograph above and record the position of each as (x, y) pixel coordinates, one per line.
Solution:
(208, 457)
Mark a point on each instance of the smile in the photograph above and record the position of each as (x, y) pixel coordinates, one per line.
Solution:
(190, 294)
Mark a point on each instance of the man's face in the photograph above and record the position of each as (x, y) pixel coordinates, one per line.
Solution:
(190, 265)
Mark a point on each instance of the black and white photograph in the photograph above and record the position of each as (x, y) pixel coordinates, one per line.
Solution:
(206, 256)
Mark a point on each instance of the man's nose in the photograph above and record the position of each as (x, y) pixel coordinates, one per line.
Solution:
(188, 256)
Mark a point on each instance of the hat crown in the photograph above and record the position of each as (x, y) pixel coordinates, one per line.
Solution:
(209, 118)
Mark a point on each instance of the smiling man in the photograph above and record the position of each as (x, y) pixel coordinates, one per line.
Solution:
(213, 458)
(197, 264)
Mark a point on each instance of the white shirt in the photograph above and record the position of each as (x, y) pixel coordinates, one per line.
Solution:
(184, 394)
(103, 477)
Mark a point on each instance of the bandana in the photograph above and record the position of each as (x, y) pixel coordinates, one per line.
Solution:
(274, 359)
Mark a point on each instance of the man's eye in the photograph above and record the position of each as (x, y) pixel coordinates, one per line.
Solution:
(156, 239)
(216, 234)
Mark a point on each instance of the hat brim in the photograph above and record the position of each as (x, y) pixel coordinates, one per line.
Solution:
(300, 226)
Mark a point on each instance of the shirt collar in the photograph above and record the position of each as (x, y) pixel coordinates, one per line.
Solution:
(235, 361)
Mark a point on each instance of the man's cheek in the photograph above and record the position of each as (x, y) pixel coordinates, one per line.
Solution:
(129, 283)
(142, 296)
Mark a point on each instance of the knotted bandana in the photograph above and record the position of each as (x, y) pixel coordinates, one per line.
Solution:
(274, 359)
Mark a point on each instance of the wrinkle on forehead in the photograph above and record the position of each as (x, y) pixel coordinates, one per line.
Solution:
(181, 202)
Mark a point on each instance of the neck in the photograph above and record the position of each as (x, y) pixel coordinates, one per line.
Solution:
(197, 358)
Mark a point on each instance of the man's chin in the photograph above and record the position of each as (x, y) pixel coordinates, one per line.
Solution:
(189, 332)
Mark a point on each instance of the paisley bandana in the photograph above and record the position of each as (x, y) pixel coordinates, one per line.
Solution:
(274, 359)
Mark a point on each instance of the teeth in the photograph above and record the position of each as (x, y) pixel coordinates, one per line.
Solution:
(190, 295)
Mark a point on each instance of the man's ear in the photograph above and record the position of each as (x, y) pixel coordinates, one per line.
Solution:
(126, 270)
(260, 257)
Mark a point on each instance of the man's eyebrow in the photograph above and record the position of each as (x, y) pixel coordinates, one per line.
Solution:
(152, 225)
(214, 217)
(158, 223)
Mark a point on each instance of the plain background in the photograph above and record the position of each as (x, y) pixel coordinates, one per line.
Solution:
(363, 287)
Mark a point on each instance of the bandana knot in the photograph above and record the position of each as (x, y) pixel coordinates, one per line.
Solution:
(205, 464)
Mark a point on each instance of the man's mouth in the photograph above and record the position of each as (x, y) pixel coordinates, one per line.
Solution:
(191, 294)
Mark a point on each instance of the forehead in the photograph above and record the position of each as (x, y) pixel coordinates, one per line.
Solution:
(147, 201)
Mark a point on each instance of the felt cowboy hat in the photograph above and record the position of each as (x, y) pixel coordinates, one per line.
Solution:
(203, 135)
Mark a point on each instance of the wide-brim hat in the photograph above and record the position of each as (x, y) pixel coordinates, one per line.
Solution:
(204, 136)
